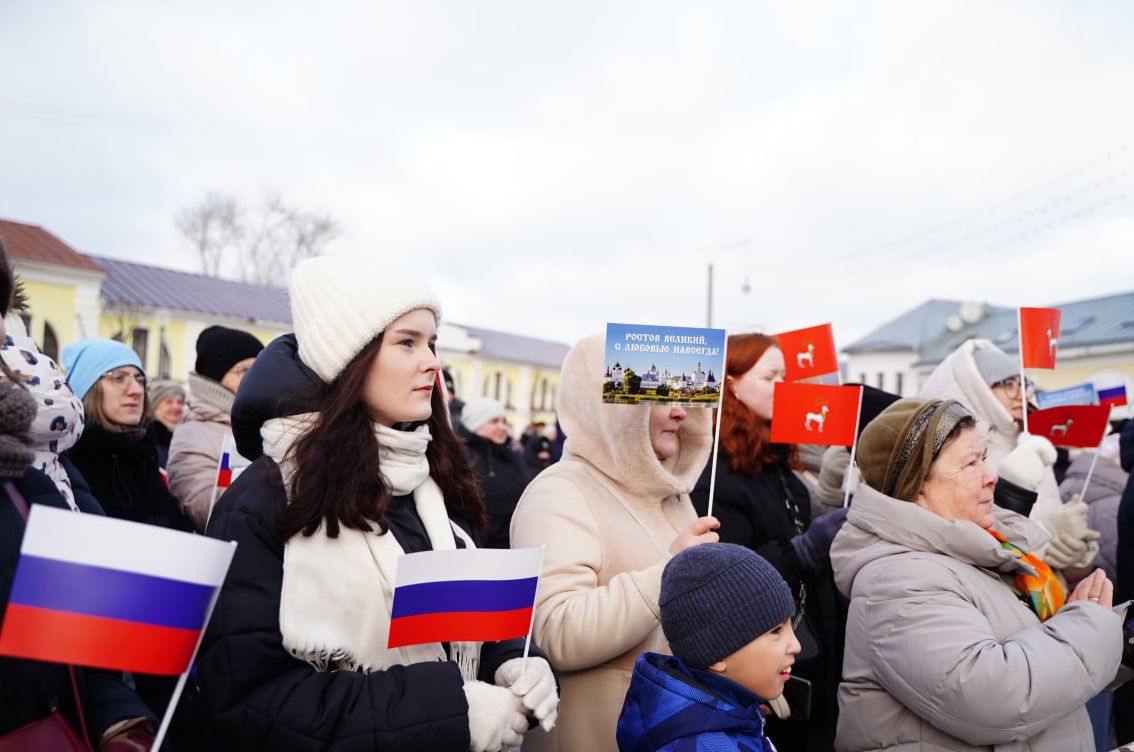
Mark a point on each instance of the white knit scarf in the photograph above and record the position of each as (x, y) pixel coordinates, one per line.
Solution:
(329, 616)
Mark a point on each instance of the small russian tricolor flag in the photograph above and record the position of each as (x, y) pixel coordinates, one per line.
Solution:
(466, 595)
(224, 473)
(1114, 396)
(97, 591)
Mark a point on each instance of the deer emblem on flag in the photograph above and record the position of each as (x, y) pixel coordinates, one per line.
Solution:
(1061, 428)
(819, 418)
(806, 357)
(1052, 343)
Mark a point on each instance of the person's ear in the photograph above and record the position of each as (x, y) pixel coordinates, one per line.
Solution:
(719, 667)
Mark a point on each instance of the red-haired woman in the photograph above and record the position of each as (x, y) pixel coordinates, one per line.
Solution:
(356, 464)
(763, 505)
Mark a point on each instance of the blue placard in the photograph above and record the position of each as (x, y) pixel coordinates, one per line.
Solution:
(1083, 394)
(663, 365)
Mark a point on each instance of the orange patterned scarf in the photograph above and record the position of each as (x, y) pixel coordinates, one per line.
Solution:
(1044, 592)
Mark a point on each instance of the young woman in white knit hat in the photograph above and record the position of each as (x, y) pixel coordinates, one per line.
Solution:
(355, 464)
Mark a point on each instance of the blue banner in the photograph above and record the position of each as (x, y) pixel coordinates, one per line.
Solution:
(1083, 394)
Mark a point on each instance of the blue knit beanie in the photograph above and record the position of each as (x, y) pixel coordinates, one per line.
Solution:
(88, 359)
(718, 597)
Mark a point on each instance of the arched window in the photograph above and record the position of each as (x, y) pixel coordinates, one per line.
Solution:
(140, 342)
(50, 342)
(543, 394)
(499, 380)
(165, 360)
(508, 394)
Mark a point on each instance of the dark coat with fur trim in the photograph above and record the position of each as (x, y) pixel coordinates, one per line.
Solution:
(256, 695)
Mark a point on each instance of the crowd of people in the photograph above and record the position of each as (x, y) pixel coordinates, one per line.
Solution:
(969, 596)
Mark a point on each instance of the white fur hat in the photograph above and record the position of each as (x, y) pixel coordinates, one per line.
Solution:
(339, 304)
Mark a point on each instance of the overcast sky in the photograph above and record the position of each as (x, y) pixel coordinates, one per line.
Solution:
(550, 167)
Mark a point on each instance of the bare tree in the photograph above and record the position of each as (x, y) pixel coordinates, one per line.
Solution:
(214, 229)
(264, 242)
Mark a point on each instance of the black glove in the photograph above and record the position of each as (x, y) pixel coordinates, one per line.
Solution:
(813, 547)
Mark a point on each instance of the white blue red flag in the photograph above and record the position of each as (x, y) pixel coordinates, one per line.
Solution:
(97, 591)
(229, 468)
(467, 595)
(1113, 396)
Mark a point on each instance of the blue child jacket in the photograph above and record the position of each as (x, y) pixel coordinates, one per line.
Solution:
(671, 707)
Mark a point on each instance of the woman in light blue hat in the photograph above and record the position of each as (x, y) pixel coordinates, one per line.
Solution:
(115, 454)
(118, 458)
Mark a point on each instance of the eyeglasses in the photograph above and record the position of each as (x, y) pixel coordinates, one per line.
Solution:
(121, 379)
(1012, 387)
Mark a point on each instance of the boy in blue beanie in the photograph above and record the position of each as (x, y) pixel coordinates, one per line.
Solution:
(726, 613)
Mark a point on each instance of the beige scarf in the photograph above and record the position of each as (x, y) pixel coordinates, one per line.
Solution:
(329, 616)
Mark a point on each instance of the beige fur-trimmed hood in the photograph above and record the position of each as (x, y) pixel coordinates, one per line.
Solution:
(615, 438)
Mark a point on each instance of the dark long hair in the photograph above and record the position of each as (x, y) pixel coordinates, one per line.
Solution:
(745, 435)
(337, 477)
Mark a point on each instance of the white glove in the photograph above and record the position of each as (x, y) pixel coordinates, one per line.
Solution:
(1072, 542)
(534, 684)
(496, 717)
(1028, 462)
(1064, 550)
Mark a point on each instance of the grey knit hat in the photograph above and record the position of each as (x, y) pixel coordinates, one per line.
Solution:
(994, 366)
(163, 388)
(718, 597)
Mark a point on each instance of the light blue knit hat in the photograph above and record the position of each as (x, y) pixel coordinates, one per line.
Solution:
(88, 359)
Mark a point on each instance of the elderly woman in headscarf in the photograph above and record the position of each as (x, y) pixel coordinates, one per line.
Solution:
(987, 381)
(959, 637)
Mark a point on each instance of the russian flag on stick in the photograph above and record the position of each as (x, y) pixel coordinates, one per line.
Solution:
(466, 595)
(1114, 396)
(97, 591)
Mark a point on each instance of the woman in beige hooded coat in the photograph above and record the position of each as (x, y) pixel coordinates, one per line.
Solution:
(612, 512)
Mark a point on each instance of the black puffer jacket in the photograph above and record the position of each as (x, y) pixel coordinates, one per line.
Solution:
(502, 475)
(123, 474)
(32, 688)
(256, 696)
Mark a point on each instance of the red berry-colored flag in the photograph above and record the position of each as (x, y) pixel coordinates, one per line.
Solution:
(1039, 337)
(1070, 425)
(815, 414)
(808, 352)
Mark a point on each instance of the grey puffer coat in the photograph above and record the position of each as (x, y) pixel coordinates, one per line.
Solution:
(942, 654)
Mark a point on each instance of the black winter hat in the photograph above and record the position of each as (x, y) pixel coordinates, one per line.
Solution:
(220, 348)
(718, 597)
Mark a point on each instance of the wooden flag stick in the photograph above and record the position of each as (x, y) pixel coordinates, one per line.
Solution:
(1023, 377)
(717, 434)
(1091, 471)
(854, 447)
(172, 707)
(531, 624)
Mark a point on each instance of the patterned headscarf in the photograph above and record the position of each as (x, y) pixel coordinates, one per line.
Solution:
(59, 418)
(898, 447)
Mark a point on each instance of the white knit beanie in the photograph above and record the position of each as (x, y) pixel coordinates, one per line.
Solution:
(339, 304)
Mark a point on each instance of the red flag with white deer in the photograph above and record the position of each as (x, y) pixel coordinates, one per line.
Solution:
(808, 352)
(1070, 425)
(1039, 337)
(815, 414)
